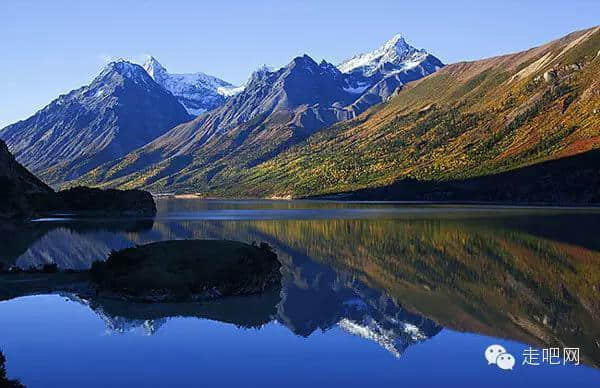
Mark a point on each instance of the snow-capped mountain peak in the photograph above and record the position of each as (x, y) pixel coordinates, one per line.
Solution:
(393, 55)
(397, 44)
(375, 76)
(198, 92)
(230, 91)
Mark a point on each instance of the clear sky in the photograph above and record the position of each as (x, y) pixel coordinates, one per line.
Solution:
(51, 47)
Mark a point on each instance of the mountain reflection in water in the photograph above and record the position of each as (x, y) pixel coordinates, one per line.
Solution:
(530, 276)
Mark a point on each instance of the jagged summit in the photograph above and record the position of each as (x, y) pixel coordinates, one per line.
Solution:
(198, 92)
(376, 75)
(304, 59)
(301, 82)
(299, 63)
(393, 55)
(303, 63)
(398, 44)
(260, 73)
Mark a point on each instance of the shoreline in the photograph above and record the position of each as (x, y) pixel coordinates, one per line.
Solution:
(334, 199)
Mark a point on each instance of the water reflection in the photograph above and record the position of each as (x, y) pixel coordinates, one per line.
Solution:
(352, 306)
(530, 277)
(71, 244)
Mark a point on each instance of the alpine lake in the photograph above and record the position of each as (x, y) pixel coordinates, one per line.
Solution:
(375, 294)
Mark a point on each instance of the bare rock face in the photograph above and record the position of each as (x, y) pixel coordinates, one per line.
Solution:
(550, 76)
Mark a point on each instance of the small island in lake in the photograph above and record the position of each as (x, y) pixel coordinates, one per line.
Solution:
(187, 270)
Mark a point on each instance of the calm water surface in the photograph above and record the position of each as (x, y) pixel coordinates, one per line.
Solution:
(376, 294)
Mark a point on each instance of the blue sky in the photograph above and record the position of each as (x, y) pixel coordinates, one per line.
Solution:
(51, 47)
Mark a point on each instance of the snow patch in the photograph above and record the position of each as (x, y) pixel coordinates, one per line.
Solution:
(230, 91)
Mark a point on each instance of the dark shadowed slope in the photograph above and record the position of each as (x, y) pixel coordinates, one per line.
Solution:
(17, 185)
(572, 180)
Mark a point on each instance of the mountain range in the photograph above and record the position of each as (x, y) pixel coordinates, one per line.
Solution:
(375, 121)
(122, 115)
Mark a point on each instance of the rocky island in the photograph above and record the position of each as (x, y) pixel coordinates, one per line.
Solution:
(187, 270)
